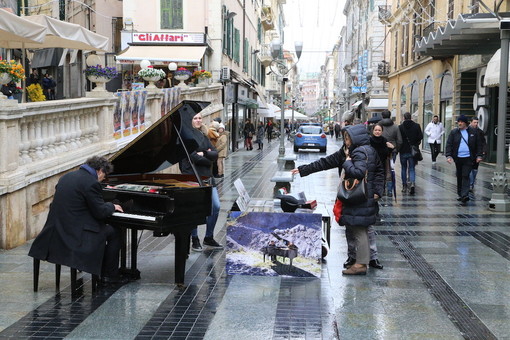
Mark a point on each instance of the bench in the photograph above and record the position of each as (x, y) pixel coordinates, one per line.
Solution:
(282, 179)
(289, 162)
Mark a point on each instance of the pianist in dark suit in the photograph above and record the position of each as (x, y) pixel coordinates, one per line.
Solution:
(203, 158)
(75, 234)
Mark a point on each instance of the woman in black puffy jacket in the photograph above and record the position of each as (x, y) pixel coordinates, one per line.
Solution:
(361, 159)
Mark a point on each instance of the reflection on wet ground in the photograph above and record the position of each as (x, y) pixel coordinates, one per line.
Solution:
(446, 273)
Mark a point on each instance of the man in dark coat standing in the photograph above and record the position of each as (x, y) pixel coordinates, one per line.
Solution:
(391, 132)
(410, 134)
(464, 147)
(75, 234)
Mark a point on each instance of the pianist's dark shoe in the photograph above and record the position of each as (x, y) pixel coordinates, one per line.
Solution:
(195, 244)
(114, 280)
(211, 243)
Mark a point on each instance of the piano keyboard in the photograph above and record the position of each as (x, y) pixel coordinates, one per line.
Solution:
(135, 217)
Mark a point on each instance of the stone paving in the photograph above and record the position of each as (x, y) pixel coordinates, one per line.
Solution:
(445, 276)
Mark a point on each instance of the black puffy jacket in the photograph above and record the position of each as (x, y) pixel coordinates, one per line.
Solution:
(335, 160)
(364, 159)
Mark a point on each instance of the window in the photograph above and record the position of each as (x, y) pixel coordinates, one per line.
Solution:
(171, 14)
(450, 8)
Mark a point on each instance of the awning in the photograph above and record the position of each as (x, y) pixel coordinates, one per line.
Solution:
(261, 98)
(469, 34)
(288, 115)
(161, 55)
(46, 57)
(378, 104)
(491, 78)
(355, 105)
(269, 111)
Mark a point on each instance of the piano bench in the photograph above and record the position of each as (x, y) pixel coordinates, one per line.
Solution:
(58, 267)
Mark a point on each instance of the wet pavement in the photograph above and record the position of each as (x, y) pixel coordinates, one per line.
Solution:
(446, 273)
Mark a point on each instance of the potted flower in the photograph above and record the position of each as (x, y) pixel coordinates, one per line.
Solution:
(11, 70)
(182, 74)
(202, 77)
(151, 75)
(100, 75)
(182, 71)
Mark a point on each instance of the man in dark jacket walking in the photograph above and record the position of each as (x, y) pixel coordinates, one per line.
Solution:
(391, 132)
(410, 134)
(75, 234)
(464, 147)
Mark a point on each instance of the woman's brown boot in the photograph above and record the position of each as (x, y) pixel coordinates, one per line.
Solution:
(356, 269)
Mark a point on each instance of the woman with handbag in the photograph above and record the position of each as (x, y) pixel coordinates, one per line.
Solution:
(361, 163)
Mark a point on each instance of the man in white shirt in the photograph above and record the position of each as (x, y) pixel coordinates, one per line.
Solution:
(434, 131)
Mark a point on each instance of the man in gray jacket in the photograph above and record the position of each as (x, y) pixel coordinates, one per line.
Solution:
(391, 133)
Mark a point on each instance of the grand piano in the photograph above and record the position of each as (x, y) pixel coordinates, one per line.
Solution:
(162, 203)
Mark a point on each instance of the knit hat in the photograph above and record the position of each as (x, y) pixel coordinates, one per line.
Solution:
(215, 125)
(462, 118)
(221, 126)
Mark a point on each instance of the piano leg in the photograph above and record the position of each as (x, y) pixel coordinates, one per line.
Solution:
(131, 273)
(182, 242)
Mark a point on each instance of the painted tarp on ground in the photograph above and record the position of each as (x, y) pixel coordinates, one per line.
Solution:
(272, 244)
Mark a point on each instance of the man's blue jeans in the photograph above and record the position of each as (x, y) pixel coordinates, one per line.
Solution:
(407, 161)
(211, 220)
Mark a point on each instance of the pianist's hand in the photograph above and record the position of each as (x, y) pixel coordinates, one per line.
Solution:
(200, 153)
(118, 208)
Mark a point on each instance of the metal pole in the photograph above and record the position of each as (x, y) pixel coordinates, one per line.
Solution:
(499, 201)
(281, 150)
(291, 123)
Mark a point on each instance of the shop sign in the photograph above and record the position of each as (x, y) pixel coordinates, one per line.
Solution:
(155, 38)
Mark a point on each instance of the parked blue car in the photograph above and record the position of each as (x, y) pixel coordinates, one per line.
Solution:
(310, 137)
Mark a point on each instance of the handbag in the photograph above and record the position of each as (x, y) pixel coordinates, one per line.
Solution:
(353, 191)
(416, 153)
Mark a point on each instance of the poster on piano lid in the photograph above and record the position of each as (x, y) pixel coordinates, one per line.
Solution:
(274, 244)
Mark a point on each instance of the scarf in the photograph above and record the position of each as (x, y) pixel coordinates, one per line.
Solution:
(89, 169)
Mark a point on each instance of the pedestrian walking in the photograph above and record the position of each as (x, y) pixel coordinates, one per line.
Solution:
(391, 132)
(474, 171)
(222, 148)
(260, 135)
(410, 134)
(269, 130)
(434, 130)
(464, 147)
(338, 128)
(248, 132)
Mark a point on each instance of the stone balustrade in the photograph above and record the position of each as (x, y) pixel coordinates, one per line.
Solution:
(42, 140)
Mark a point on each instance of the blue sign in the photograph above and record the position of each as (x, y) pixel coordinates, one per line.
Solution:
(359, 89)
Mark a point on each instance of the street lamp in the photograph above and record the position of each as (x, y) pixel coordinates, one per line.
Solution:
(360, 80)
(280, 68)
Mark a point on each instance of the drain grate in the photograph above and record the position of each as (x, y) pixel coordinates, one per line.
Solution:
(459, 313)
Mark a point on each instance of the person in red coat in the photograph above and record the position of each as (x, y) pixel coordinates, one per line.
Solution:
(75, 234)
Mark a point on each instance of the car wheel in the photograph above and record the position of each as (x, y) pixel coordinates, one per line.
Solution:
(296, 149)
(322, 149)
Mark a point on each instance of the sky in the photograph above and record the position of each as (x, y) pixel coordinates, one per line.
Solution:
(317, 23)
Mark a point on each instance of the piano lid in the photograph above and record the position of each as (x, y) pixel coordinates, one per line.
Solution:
(159, 146)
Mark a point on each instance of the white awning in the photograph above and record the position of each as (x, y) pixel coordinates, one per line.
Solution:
(268, 112)
(161, 55)
(355, 105)
(491, 78)
(378, 104)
